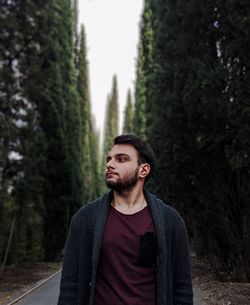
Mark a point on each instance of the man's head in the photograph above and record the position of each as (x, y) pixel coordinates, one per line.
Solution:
(130, 160)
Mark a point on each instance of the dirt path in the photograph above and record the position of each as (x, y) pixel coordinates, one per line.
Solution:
(215, 292)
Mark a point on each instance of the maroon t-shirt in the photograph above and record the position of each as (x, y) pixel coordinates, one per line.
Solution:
(126, 272)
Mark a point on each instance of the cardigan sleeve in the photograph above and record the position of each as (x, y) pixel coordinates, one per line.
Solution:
(182, 285)
(69, 277)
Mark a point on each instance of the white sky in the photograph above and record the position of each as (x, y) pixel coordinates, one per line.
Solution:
(112, 35)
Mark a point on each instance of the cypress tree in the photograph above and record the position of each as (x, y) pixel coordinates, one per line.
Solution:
(143, 100)
(55, 96)
(74, 7)
(8, 129)
(95, 162)
(111, 123)
(169, 75)
(44, 168)
(218, 177)
(196, 93)
(86, 121)
(128, 115)
(114, 106)
(20, 183)
(233, 23)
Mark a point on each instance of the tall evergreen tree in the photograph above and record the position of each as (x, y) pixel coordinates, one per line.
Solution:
(20, 184)
(95, 162)
(197, 100)
(74, 8)
(43, 133)
(128, 115)
(114, 107)
(218, 179)
(87, 128)
(232, 23)
(54, 93)
(143, 100)
(111, 126)
(111, 123)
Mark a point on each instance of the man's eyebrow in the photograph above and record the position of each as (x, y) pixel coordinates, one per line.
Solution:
(118, 155)
(122, 155)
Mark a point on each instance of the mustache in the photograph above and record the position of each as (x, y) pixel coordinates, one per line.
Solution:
(110, 172)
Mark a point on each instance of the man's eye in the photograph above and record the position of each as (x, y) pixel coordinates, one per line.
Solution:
(122, 159)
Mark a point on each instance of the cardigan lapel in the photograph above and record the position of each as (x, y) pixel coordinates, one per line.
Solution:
(101, 215)
(158, 220)
(157, 216)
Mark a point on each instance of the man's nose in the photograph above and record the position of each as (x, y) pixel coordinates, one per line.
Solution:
(110, 164)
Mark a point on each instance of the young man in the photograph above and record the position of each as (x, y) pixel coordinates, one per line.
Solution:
(128, 247)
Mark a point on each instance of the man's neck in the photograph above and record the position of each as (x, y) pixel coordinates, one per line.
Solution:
(129, 202)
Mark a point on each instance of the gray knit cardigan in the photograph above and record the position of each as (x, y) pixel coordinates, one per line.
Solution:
(174, 286)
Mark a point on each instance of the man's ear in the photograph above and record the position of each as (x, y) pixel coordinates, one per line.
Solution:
(144, 170)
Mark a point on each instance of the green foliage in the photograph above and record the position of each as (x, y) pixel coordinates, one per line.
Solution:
(128, 115)
(143, 100)
(19, 131)
(45, 125)
(111, 125)
(97, 176)
(89, 140)
(199, 124)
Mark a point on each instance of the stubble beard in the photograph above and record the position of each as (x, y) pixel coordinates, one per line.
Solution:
(124, 185)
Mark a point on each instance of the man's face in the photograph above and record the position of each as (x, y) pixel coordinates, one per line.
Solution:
(122, 168)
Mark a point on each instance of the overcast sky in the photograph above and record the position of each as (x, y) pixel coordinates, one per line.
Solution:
(112, 34)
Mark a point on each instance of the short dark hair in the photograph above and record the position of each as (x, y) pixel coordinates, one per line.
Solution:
(144, 150)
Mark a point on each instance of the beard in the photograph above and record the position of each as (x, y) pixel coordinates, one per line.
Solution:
(125, 184)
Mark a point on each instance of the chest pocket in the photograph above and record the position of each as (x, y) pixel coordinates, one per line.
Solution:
(147, 250)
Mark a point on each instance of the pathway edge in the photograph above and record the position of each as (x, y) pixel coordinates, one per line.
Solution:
(34, 288)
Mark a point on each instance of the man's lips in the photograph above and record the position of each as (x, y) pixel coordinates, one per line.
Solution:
(110, 174)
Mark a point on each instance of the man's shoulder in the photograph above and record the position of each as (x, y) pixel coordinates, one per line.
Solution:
(165, 207)
(90, 209)
(86, 210)
(160, 203)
